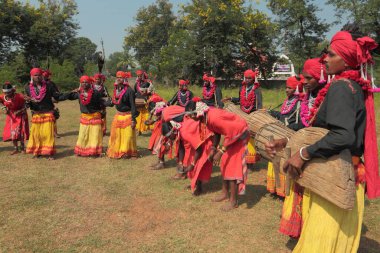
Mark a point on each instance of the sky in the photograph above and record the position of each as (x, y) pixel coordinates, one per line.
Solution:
(108, 20)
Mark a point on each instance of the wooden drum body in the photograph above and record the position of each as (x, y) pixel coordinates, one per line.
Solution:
(276, 130)
(333, 178)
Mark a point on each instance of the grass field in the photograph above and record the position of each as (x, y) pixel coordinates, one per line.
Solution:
(100, 205)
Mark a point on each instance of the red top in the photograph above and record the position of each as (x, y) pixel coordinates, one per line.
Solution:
(171, 112)
(14, 104)
(228, 124)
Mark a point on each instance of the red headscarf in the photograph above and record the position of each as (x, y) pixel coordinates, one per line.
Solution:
(36, 71)
(196, 99)
(99, 76)
(293, 83)
(313, 67)
(46, 73)
(353, 52)
(250, 73)
(85, 79)
(205, 78)
(156, 98)
(120, 74)
(184, 82)
(128, 75)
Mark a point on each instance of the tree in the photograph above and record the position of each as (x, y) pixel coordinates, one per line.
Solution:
(120, 61)
(151, 32)
(301, 30)
(365, 13)
(52, 30)
(225, 32)
(178, 58)
(15, 22)
(80, 51)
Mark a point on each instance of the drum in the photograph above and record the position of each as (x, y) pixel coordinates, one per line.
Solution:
(255, 120)
(258, 119)
(332, 179)
(276, 130)
(140, 102)
(236, 110)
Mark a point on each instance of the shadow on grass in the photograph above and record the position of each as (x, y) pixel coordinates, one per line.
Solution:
(253, 194)
(144, 152)
(70, 133)
(63, 151)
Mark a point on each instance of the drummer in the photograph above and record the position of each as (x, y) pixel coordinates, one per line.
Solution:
(250, 100)
(143, 90)
(341, 108)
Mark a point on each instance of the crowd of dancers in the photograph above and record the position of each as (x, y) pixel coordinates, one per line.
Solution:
(199, 133)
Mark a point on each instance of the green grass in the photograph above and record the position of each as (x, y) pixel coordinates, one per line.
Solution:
(100, 205)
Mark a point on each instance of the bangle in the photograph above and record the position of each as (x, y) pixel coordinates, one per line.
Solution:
(220, 150)
(302, 157)
(193, 164)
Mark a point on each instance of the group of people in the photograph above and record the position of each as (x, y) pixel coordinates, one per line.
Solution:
(338, 98)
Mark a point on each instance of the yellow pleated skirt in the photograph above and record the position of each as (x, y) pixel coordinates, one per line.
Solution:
(271, 182)
(122, 142)
(252, 156)
(41, 139)
(328, 228)
(143, 116)
(90, 138)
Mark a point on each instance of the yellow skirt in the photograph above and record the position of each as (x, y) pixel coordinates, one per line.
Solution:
(271, 182)
(328, 228)
(143, 116)
(292, 213)
(41, 139)
(122, 142)
(252, 156)
(90, 138)
(104, 124)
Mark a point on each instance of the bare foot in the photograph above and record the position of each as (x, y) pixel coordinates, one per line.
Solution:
(35, 156)
(50, 158)
(179, 176)
(14, 152)
(229, 206)
(158, 166)
(220, 198)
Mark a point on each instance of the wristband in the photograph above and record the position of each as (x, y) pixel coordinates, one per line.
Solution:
(302, 157)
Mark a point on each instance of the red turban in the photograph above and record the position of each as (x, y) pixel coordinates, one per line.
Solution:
(196, 99)
(353, 52)
(120, 74)
(183, 82)
(85, 79)
(46, 73)
(156, 98)
(139, 72)
(99, 76)
(250, 73)
(35, 71)
(127, 75)
(293, 83)
(313, 68)
(205, 78)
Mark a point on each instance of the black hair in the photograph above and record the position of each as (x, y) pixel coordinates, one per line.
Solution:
(7, 86)
(166, 128)
(190, 106)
